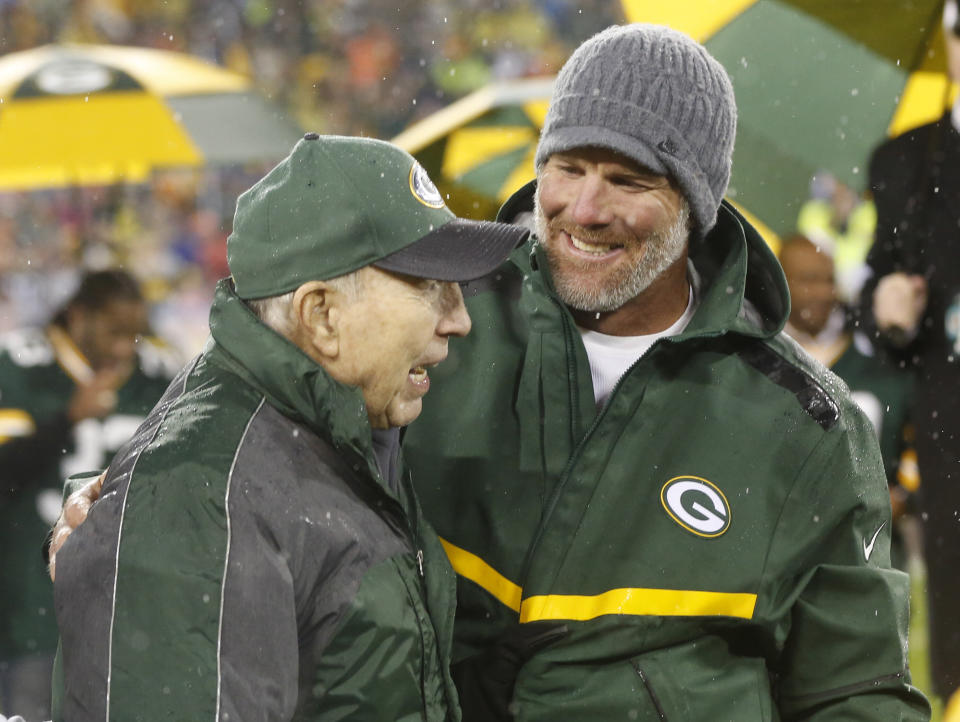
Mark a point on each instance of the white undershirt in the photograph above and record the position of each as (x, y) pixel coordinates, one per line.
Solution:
(611, 356)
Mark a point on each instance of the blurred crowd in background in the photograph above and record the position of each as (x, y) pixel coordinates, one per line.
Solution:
(367, 67)
(342, 66)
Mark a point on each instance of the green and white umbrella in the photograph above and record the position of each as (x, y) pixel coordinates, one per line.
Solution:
(818, 82)
(480, 149)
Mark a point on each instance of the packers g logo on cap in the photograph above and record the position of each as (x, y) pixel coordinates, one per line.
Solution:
(697, 505)
(423, 188)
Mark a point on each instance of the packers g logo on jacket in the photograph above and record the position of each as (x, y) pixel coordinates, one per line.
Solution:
(697, 505)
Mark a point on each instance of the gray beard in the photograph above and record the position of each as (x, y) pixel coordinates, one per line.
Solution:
(662, 251)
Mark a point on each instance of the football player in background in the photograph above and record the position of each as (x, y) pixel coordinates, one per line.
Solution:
(70, 395)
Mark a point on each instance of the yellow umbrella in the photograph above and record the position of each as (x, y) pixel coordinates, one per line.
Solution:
(90, 115)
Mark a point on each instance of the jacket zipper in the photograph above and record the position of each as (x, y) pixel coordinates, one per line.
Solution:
(405, 523)
(395, 514)
(572, 386)
(653, 697)
(404, 527)
(571, 370)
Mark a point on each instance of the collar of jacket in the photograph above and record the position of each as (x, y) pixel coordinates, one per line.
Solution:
(292, 382)
(742, 290)
(743, 287)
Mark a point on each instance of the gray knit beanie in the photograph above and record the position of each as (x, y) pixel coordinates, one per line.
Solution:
(656, 96)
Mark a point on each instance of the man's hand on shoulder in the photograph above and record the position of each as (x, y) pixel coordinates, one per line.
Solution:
(74, 512)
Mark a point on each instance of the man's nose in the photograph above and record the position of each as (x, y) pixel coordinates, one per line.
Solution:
(590, 205)
(454, 320)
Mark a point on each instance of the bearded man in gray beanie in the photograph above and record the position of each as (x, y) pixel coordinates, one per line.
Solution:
(641, 454)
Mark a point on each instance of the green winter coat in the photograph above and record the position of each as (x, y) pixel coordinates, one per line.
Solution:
(716, 538)
(248, 559)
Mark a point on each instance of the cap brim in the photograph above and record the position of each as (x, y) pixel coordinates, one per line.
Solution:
(460, 250)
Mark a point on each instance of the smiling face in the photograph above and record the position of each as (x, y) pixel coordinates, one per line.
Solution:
(390, 335)
(610, 228)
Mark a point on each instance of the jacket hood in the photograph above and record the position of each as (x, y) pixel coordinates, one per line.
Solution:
(292, 382)
(743, 287)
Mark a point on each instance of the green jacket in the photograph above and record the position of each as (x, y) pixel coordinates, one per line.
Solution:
(248, 560)
(716, 538)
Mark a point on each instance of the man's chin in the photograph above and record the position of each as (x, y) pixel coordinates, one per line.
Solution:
(404, 414)
(591, 296)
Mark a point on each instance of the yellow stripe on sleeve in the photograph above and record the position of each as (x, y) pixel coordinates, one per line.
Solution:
(15, 423)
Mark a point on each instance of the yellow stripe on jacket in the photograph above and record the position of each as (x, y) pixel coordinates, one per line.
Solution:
(630, 601)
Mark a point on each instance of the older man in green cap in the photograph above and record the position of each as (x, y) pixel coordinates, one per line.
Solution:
(257, 552)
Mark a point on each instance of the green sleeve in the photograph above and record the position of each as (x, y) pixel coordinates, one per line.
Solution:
(846, 611)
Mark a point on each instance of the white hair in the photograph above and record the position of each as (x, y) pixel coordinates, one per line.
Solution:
(274, 311)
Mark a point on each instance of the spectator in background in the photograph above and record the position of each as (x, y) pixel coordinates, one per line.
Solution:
(836, 217)
(819, 322)
(70, 395)
(913, 300)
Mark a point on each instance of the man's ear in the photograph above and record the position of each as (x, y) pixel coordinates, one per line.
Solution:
(316, 313)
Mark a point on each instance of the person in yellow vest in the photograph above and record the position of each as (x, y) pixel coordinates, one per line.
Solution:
(839, 219)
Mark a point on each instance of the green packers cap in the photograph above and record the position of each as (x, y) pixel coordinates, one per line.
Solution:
(336, 204)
